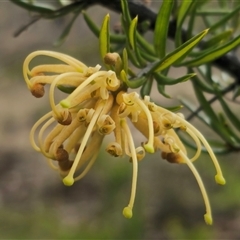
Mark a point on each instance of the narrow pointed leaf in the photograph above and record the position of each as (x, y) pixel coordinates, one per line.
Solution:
(182, 14)
(213, 12)
(33, 8)
(205, 104)
(148, 57)
(164, 80)
(104, 41)
(92, 26)
(213, 43)
(132, 33)
(174, 108)
(146, 88)
(183, 10)
(145, 45)
(125, 60)
(66, 89)
(66, 31)
(224, 19)
(236, 93)
(126, 21)
(161, 27)
(219, 38)
(125, 12)
(133, 42)
(215, 125)
(231, 116)
(214, 121)
(130, 52)
(231, 131)
(133, 83)
(178, 53)
(213, 54)
(114, 38)
(192, 108)
(217, 146)
(236, 18)
(161, 89)
(203, 86)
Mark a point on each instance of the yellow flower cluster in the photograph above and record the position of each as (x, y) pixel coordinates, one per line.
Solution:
(97, 105)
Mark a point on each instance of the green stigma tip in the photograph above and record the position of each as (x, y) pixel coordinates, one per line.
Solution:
(149, 148)
(220, 179)
(208, 219)
(65, 103)
(127, 212)
(68, 181)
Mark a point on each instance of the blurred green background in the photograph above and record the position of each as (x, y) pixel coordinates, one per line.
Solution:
(34, 204)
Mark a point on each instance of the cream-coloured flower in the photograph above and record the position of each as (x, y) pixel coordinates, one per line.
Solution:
(71, 134)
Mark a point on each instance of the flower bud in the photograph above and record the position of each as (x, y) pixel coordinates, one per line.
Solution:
(38, 90)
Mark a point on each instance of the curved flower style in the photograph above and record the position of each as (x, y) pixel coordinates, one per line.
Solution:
(98, 105)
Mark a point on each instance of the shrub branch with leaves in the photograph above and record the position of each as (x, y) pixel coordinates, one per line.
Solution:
(98, 100)
(176, 20)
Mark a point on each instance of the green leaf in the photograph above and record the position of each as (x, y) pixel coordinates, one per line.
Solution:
(217, 146)
(213, 54)
(235, 19)
(132, 33)
(192, 108)
(178, 53)
(114, 38)
(164, 80)
(173, 108)
(133, 42)
(161, 89)
(231, 131)
(66, 31)
(217, 126)
(203, 86)
(236, 93)
(231, 116)
(33, 8)
(104, 41)
(222, 3)
(146, 46)
(223, 20)
(213, 43)
(214, 121)
(161, 27)
(125, 11)
(148, 57)
(213, 12)
(205, 104)
(133, 83)
(92, 26)
(182, 14)
(219, 38)
(147, 87)
(125, 60)
(66, 89)
(131, 54)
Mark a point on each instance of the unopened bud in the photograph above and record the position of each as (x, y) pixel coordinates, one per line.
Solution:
(61, 154)
(38, 90)
(65, 165)
(111, 58)
(172, 157)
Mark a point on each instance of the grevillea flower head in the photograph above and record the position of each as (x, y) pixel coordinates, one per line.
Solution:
(98, 104)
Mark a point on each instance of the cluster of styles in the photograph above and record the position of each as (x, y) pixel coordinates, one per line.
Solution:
(98, 104)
